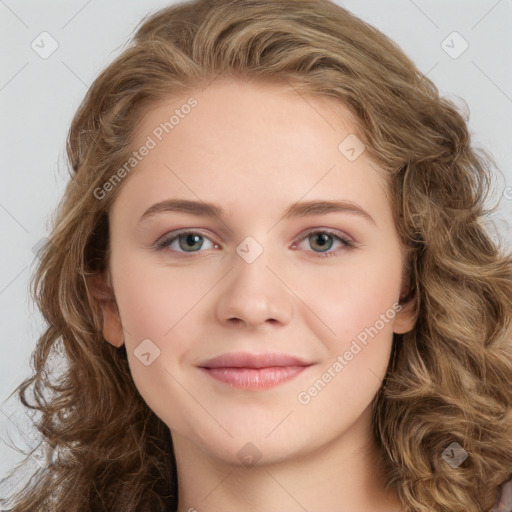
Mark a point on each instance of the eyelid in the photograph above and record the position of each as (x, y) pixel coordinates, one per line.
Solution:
(347, 243)
(169, 237)
(340, 234)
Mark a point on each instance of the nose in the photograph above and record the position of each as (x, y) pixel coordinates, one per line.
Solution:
(255, 294)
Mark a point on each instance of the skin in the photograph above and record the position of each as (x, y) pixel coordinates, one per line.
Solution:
(254, 149)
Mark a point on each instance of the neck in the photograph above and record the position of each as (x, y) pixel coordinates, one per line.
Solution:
(340, 476)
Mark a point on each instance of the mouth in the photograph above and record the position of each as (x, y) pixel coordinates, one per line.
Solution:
(254, 371)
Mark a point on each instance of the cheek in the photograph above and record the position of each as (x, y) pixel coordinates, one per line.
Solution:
(353, 317)
(158, 307)
(152, 298)
(347, 301)
(151, 316)
(358, 339)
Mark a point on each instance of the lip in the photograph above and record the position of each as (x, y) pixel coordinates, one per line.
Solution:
(254, 371)
(248, 360)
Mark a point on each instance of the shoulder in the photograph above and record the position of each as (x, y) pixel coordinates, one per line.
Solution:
(504, 498)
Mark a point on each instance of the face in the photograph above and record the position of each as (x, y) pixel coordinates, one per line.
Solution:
(258, 272)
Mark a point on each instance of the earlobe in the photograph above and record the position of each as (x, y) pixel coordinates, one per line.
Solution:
(101, 290)
(112, 327)
(407, 315)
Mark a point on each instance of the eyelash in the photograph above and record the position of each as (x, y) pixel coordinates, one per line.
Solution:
(167, 240)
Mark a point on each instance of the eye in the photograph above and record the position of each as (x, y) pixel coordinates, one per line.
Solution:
(323, 240)
(188, 241)
(184, 241)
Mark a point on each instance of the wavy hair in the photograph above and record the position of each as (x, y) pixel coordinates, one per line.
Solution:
(448, 380)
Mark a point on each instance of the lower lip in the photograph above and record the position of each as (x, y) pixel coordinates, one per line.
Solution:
(255, 378)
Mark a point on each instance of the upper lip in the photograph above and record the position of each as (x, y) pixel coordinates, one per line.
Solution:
(248, 360)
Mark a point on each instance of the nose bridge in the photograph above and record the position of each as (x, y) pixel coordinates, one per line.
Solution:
(253, 293)
(257, 262)
(251, 273)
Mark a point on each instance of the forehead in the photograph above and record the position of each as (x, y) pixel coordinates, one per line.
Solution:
(261, 140)
(245, 105)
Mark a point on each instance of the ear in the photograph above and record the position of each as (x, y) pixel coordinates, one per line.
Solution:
(103, 293)
(407, 314)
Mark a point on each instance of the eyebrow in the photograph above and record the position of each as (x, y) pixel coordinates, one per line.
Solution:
(299, 209)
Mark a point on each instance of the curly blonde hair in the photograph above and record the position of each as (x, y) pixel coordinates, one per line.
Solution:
(448, 380)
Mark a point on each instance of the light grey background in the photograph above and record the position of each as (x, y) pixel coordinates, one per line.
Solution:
(38, 98)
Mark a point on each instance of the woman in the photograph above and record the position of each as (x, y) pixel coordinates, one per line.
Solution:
(271, 279)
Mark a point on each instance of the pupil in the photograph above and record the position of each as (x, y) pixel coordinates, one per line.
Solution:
(324, 240)
(192, 239)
